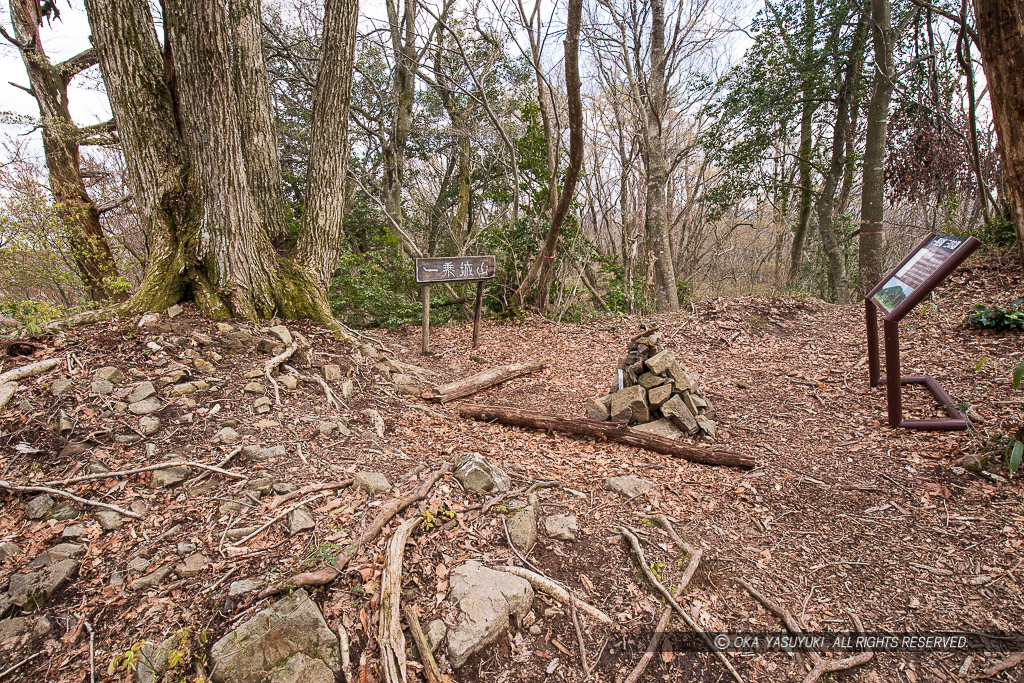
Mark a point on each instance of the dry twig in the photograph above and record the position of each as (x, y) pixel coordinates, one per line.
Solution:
(279, 516)
(64, 494)
(30, 370)
(147, 468)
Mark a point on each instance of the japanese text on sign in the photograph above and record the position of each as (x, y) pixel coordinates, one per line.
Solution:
(454, 269)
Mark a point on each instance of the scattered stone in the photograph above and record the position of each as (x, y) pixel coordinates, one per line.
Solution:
(302, 669)
(145, 407)
(522, 526)
(707, 426)
(227, 436)
(224, 327)
(289, 382)
(32, 591)
(61, 386)
(283, 487)
(649, 380)
(151, 579)
(38, 507)
(174, 311)
(186, 548)
(347, 389)
(141, 392)
(407, 385)
(435, 632)
(240, 532)
(137, 565)
(10, 323)
(376, 420)
(203, 365)
(183, 389)
(485, 599)
(371, 482)
(96, 467)
(599, 408)
(561, 527)
(153, 661)
(300, 520)
(367, 351)
(8, 550)
(72, 531)
(64, 423)
(630, 405)
(261, 485)
(261, 454)
(65, 512)
(629, 486)
(243, 587)
(194, 564)
(149, 425)
(22, 631)
(109, 374)
(477, 474)
(101, 387)
(254, 388)
(169, 476)
(57, 553)
(149, 320)
(662, 427)
(332, 373)
(272, 638)
(262, 406)
(108, 519)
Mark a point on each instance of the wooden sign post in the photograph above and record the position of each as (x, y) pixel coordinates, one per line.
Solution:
(934, 258)
(476, 269)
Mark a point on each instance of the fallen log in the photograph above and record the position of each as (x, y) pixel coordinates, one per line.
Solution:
(473, 384)
(7, 392)
(609, 431)
(30, 370)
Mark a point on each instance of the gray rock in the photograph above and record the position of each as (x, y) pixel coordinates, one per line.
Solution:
(243, 587)
(240, 532)
(8, 550)
(137, 565)
(676, 411)
(149, 425)
(226, 436)
(435, 632)
(169, 476)
(109, 374)
(57, 553)
(300, 520)
(183, 389)
(186, 548)
(262, 406)
(96, 467)
(561, 527)
(145, 407)
(254, 388)
(32, 591)
(261, 485)
(975, 463)
(194, 564)
(10, 323)
(289, 382)
(485, 599)
(630, 405)
(371, 482)
(283, 487)
(694, 402)
(332, 373)
(368, 351)
(38, 507)
(707, 426)
(599, 408)
(149, 320)
(660, 362)
(153, 660)
(302, 669)
(270, 639)
(24, 631)
(649, 380)
(151, 579)
(72, 531)
(347, 388)
(407, 385)
(203, 365)
(64, 423)
(143, 391)
(522, 526)
(629, 486)
(61, 386)
(108, 519)
(262, 453)
(65, 512)
(327, 428)
(282, 333)
(663, 428)
(174, 311)
(476, 473)
(101, 387)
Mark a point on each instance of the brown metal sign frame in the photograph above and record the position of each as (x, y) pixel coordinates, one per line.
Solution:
(890, 322)
(450, 270)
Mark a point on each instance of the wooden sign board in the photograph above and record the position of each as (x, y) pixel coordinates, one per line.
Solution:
(906, 285)
(453, 269)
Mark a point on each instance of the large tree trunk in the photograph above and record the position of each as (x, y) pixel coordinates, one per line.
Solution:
(61, 138)
(1000, 25)
(658, 239)
(183, 136)
(872, 228)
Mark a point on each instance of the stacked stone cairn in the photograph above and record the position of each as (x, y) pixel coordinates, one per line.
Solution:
(654, 394)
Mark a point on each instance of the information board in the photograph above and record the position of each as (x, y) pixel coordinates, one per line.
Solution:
(925, 262)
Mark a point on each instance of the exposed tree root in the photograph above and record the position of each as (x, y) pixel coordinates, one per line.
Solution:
(30, 370)
(430, 668)
(641, 561)
(389, 632)
(147, 468)
(64, 494)
(312, 488)
(821, 666)
(558, 592)
(279, 516)
(7, 392)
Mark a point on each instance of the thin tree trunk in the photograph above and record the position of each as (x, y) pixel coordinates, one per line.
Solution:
(93, 258)
(403, 47)
(657, 170)
(807, 108)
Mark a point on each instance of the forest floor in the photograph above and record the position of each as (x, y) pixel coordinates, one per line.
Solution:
(842, 515)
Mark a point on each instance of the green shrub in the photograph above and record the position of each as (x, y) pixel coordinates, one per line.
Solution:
(998, 318)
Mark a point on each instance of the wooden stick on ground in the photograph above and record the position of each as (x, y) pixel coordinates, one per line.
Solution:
(467, 386)
(430, 667)
(386, 514)
(235, 451)
(610, 431)
(389, 631)
(147, 468)
(346, 654)
(64, 494)
(271, 365)
(312, 488)
(30, 370)
(659, 631)
(821, 665)
(641, 561)
(558, 592)
(277, 517)
(7, 392)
